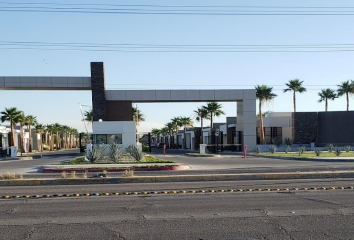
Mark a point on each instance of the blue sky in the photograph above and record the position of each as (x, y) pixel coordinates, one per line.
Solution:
(164, 70)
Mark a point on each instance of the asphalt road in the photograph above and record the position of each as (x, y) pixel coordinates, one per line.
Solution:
(254, 215)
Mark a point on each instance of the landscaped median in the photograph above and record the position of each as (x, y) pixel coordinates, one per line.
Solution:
(309, 156)
(113, 167)
(180, 178)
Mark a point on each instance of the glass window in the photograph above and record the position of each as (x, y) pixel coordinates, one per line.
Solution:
(101, 139)
(114, 139)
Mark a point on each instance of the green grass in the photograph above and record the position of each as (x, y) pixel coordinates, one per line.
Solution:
(309, 154)
(148, 159)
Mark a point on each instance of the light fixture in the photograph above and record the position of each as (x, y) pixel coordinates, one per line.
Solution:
(100, 120)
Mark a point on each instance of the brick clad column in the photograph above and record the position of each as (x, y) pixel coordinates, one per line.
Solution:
(98, 91)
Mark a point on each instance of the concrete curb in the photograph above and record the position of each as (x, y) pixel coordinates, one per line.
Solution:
(180, 178)
(16, 158)
(122, 169)
(304, 159)
(192, 155)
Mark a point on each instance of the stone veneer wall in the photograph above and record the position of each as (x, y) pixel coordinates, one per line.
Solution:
(98, 91)
(305, 127)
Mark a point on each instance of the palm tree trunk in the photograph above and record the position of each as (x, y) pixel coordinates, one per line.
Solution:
(326, 107)
(176, 138)
(261, 132)
(30, 139)
(347, 102)
(41, 141)
(22, 139)
(201, 132)
(294, 99)
(185, 138)
(211, 129)
(12, 134)
(58, 141)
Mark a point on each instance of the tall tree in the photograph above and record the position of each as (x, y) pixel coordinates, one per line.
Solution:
(295, 85)
(11, 115)
(40, 131)
(176, 121)
(156, 132)
(214, 109)
(138, 116)
(264, 94)
(51, 129)
(89, 116)
(30, 121)
(325, 95)
(201, 113)
(346, 88)
(57, 130)
(170, 127)
(186, 122)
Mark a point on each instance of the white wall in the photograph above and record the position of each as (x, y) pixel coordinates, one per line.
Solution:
(126, 128)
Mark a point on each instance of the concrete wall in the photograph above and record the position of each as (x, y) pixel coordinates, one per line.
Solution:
(126, 128)
(336, 128)
(247, 119)
(305, 127)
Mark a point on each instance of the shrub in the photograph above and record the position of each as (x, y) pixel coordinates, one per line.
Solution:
(85, 174)
(146, 149)
(257, 150)
(115, 152)
(277, 141)
(63, 174)
(135, 152)
(288, 141)
(273, 149)
(330, 147)
(128, 173)
(347, 148)
(337, 151)
(301, 150)
(95, 154)
(318, 152)
(287, 148)
(73, 174)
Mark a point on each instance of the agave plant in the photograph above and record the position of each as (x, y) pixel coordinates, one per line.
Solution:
(301, 150)
(330, 147)
(288, 141)
(287, 148)
(347, 148)
(273, 149)
(318, 152)
(135, 152)
(115, 152)
(95, 154)
(257, 150)
(337, 151)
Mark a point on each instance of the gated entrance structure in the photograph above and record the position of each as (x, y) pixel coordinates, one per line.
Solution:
(112, 109)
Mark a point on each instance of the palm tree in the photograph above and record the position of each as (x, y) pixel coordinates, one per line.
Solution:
(214, 110)
(40, 131)
(295, 86)
(88, 116)
(30, 121)
(264, 94)
(186, 122)
(156, 132)
(201, 113)
(164, 132)
(50, 128)
(346, 88)
(170, 127)
(57, 130)
(138, 116)
(327, 94)
(176, 121)
(11, 115)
